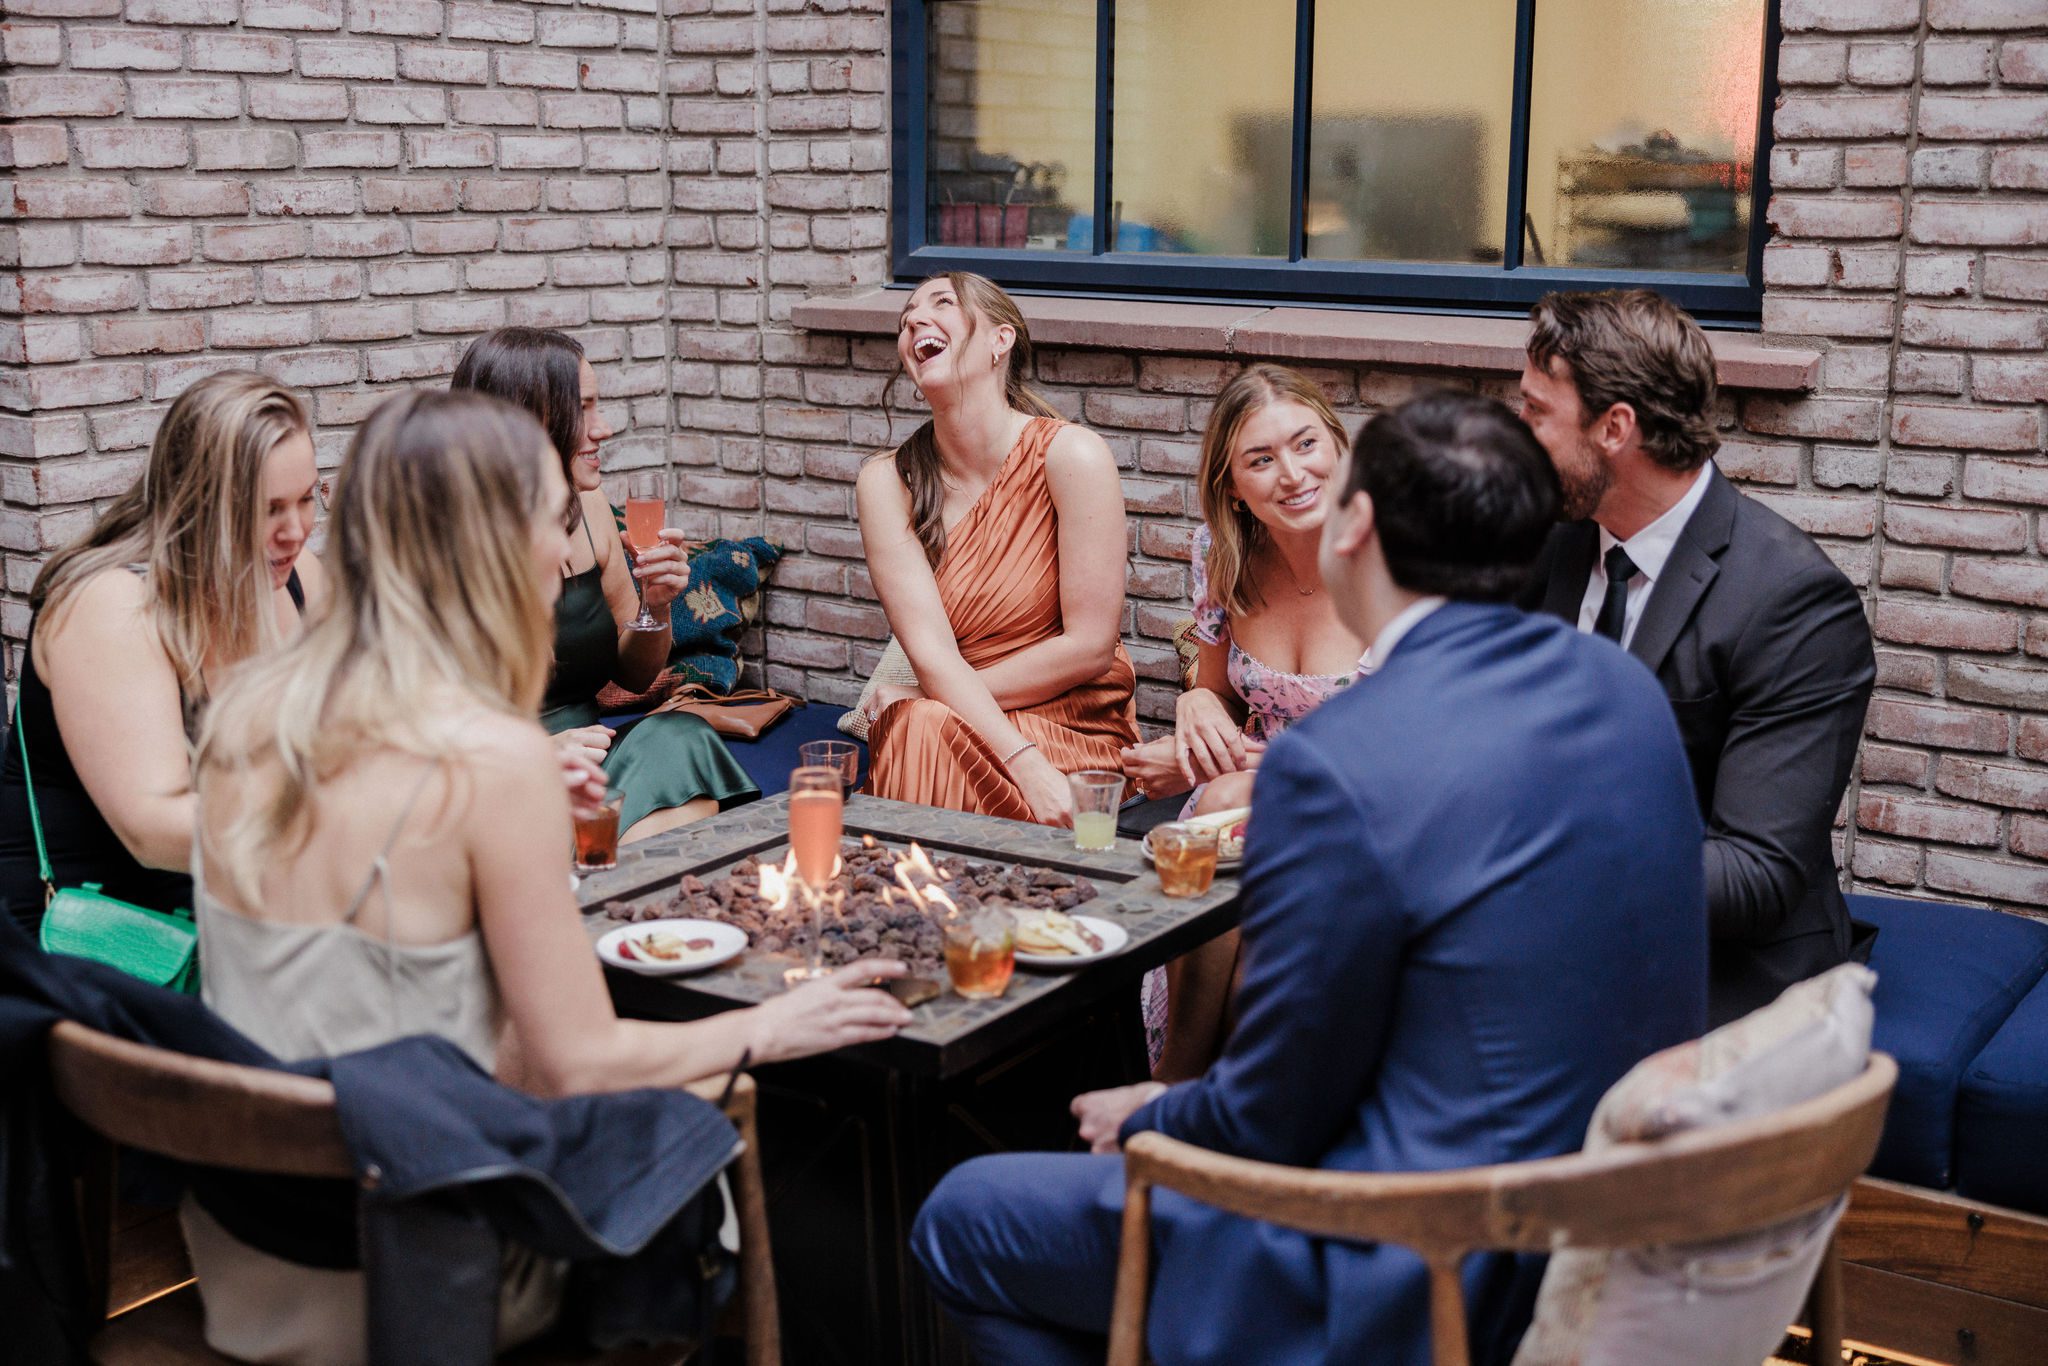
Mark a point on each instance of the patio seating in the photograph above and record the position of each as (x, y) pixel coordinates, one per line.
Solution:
(1945, 1244)
(249, 1119)
(1695, 1186)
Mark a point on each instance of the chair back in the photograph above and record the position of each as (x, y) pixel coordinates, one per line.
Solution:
(196, 1110)
(1695, 1186)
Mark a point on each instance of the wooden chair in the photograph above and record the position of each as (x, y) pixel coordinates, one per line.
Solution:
(1691, 1187)
(251, 1119)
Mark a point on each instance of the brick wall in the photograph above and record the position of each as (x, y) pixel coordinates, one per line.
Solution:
(338, 192)
(344, 190)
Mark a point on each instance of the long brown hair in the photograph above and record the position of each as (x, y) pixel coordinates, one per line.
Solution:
(917, 459)
(194, 523)
(433, 590)
(1235, 536)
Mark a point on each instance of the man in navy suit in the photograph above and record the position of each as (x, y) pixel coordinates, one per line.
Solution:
(1473, 898)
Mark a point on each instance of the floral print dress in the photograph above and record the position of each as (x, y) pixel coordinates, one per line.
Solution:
(1274, 700)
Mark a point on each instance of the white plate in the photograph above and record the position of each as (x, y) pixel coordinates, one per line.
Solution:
(727, 943)
(1113, 938)
(1223, 865)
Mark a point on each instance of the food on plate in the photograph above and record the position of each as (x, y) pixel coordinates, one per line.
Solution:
(1054, 934)
(661, 946)
(1230, 831)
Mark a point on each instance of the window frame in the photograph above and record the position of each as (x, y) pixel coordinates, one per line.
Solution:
(1509, 287)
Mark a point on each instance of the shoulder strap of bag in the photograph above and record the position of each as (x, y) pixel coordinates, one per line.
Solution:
(35, 818)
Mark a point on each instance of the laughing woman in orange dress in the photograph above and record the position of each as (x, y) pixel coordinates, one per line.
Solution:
(995, 536)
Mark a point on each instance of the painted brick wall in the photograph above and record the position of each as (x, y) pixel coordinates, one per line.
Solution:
(338, 192)
(345, 190)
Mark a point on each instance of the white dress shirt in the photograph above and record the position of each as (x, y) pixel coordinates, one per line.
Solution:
(1390, 635)
(1649, 549)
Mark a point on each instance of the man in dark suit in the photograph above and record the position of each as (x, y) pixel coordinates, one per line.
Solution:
(1472, 900)
(1758, 639)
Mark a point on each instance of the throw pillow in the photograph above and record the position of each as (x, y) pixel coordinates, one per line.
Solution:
(893, 669)
(1724, 1303)
(723, 599)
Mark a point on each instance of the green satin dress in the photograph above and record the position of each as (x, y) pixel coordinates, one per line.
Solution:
(658, 762)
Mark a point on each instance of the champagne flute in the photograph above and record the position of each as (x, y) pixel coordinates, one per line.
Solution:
(643, 533)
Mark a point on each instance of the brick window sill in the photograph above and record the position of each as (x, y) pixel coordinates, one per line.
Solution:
(1260, 332)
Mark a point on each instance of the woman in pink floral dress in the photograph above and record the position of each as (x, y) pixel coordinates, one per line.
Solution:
(1272, 651)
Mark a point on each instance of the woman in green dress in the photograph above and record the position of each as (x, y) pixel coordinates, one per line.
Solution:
(672, 768)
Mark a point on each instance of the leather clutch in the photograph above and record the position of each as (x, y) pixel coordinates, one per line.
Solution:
(742, 715)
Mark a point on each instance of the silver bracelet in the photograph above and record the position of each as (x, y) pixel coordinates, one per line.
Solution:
(1007, 758)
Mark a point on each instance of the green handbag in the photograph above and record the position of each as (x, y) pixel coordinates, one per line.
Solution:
(85, 922)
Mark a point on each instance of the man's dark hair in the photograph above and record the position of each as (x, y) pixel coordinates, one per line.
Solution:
(1462, 494)
(1634, 346)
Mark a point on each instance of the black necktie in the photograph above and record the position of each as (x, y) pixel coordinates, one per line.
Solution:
(1614, 607)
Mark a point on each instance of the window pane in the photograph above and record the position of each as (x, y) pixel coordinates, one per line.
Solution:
(1408, 143)
(1012, 131)
(1649, 166)
(1204, 100)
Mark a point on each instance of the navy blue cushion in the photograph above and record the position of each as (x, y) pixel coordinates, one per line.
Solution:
(1947, 978)
(770, 759)
(2002, 1115)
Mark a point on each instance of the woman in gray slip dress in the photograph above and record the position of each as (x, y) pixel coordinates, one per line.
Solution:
(672, 768)
(331, 922)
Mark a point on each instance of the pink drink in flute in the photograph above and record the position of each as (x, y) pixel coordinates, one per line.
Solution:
(643, 533)
(817, 818)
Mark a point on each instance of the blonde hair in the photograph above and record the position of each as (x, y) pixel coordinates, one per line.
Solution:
(1235, 536)
(917, 459)
(194, 524)
(433, 589)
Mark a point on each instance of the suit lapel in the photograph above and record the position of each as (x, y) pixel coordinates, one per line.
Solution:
(1694, 563)
(1570, 569)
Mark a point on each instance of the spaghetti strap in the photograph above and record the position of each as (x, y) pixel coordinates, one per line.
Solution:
(378, 865)
(588, 535)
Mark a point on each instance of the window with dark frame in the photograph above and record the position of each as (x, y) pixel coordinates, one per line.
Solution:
(1460, 154)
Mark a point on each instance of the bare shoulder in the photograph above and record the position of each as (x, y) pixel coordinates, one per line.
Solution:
(108, 610)
(1077, 457)
(879, 489)
(878, 473)
(604, 527)
(498, 745)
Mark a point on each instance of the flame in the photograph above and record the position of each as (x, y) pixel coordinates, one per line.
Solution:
(775, 883)
(919, 878)
(867, 841)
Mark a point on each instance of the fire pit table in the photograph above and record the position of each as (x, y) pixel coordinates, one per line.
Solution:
(853, 1142)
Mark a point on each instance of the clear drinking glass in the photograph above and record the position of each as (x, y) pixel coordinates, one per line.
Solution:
(843, 755)
(1097, 794)
(597, 835)
(1184, 856)
(643, 533)
(817, 818)
(981, 951)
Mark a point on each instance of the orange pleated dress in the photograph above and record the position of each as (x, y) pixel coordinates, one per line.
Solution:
(999, 579)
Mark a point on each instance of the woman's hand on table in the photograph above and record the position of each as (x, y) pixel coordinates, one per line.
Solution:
(832, 1012)
(1102, 1113)
(887, 695)
(1206, 738)
(1044, 787)
(1154, 768)
(663, 570)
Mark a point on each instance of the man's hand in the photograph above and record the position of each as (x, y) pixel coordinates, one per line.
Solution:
(1102, 1113)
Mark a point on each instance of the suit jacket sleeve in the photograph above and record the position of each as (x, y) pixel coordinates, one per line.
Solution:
(1802, 680)
(1323, 940)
